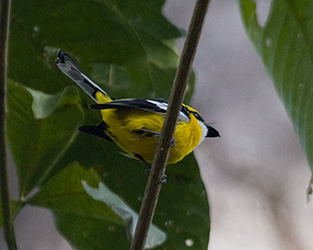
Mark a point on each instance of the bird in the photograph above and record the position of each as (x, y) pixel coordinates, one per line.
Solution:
(134, 124)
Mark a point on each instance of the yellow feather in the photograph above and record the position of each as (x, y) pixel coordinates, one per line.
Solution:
(103, 98)
(122, 125)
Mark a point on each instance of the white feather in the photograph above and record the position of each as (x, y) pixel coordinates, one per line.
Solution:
(163, 105)
(204, 130)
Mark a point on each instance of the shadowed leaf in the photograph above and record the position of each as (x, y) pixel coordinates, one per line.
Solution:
(40, 128)
(70, 195)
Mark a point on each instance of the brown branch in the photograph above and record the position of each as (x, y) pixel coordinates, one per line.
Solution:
(175, 101)
(5, 194)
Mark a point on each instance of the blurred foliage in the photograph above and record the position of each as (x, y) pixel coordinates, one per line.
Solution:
(128, 47)
(284, 43)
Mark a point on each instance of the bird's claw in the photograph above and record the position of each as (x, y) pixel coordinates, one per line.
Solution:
(147, 171)
(164, 178)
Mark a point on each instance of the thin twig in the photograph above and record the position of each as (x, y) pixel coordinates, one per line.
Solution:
(175, 101)
(5, 196)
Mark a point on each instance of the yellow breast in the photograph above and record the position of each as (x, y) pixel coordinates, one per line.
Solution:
(123, 126)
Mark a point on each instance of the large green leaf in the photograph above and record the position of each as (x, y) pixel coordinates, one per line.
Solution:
(105, 36)
(64, 192)
(155, 236)
(40, 128)
(182, 212)
(86, 223)
(285, 43)
(71, 194)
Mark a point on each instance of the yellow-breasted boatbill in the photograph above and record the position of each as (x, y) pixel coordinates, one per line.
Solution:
(135, 124)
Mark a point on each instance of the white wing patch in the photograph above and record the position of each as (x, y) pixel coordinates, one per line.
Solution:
(183, 117)
(163, 105)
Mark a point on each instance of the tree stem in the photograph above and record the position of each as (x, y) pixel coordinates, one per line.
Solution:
(175, 101)
(4, 187)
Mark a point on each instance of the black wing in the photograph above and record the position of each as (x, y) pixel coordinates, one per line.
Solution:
(151, 105)
(143, 104)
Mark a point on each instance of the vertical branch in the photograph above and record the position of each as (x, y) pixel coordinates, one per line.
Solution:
(175, 101)
(5, 197)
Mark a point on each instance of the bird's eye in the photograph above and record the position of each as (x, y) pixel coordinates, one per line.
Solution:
(197, 116)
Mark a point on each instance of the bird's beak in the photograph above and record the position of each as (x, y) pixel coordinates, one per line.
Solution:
(212, 132)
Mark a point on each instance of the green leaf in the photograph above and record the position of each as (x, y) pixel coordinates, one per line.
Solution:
(155, 236)
(131, 37)
(69, 194)
(88, 233)
(64, 192)
(40, 128)
(284, 43)
(183, 209)
(182, 212)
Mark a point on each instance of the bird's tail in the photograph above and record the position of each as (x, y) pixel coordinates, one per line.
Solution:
(67, 65)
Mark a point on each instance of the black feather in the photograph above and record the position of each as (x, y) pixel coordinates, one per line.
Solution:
(142, 104)
(98, 130)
